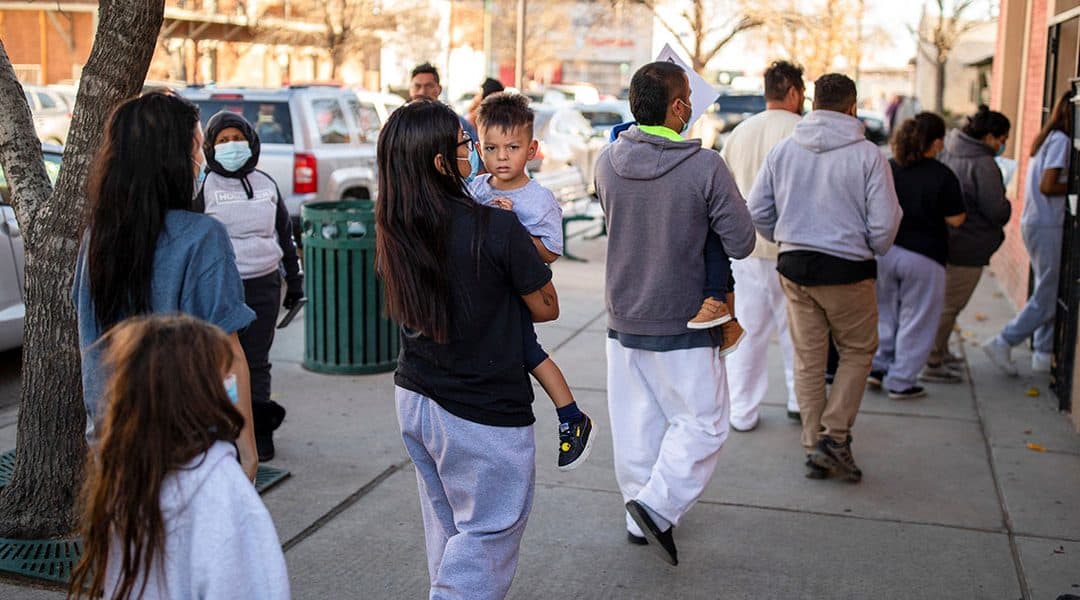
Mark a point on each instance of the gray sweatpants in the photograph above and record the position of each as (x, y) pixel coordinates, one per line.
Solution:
(910, 296)
(476, 490)
(1037, 317)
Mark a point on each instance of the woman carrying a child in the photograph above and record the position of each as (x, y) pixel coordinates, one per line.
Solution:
(458, 277)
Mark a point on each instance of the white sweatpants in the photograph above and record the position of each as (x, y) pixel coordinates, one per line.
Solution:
(761, 308)
(669, 419)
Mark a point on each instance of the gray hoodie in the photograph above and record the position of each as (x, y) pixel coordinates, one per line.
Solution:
(826, 189)
(988, 210)
(660, 197)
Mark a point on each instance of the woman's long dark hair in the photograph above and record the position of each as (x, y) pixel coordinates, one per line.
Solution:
(143, 169)
(412, 214)
(987, 122)
(915, 136)
(165, 405)
(1061, 119)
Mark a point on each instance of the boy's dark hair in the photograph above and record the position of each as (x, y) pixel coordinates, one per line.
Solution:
(987, 122)
(426, 68)
(834, 92)
(780, 77)
(506, 111)
(651, 90)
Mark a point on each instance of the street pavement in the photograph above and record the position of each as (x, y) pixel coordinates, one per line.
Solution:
(953, 504)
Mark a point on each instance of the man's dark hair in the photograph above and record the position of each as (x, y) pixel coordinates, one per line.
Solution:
(780, 77)
(651, 90)
(834, 92)
(987, 122)
(491, 86)
(506, 111)
(426, 68)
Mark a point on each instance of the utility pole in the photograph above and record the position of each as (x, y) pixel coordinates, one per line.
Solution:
(519, 56)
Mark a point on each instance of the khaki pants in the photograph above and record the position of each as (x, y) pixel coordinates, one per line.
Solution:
(849, 312)
(960, 283)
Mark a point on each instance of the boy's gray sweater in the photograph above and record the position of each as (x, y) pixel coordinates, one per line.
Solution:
(660, 197)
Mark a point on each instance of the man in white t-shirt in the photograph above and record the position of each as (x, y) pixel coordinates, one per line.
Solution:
(762, 308)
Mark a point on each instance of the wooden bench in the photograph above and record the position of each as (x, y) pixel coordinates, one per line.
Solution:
(578, 204)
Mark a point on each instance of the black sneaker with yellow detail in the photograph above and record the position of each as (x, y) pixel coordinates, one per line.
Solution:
(575, 443)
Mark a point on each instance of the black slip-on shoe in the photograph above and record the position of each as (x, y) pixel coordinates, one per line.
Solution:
(264, 445)
(915, 391)
(636, 540)
(661, 541)
(794, 416)
(875, 378)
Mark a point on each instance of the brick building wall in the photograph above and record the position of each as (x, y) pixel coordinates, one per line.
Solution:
(1011, 263)
(64, 53)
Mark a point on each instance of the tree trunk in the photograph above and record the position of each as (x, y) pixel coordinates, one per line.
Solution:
(40, 501)
(939, 87)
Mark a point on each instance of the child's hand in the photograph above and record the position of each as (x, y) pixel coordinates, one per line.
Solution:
(503, 203)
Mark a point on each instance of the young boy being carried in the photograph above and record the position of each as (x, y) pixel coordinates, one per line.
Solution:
(505, 125)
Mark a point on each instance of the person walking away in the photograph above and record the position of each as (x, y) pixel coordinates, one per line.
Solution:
(763, 309)
(458, 277)
(1041, 225)
(505, 122)
(168, 511)
(827, 266)
(248, 202)
(424, 84)
(145, 252)
(667, 389)
(970, 153)
(911, 276)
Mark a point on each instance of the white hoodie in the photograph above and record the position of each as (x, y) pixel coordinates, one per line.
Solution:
(219, 539)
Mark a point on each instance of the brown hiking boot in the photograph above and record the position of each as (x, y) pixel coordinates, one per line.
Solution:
(711, 314)
(733, 334)
(836, 456)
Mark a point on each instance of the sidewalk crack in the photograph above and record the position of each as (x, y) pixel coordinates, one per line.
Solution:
(342, 506)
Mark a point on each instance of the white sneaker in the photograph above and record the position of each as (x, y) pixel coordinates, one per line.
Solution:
(999, 353)
(1041, 362)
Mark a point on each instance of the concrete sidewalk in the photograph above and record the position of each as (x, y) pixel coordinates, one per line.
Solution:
(952, 504)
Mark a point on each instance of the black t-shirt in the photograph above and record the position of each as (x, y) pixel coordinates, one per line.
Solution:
(480, 374)
(929, 191)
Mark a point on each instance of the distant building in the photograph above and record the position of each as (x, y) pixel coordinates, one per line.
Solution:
(964, 79)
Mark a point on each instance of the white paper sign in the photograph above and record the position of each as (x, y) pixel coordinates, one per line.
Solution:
(702, 94)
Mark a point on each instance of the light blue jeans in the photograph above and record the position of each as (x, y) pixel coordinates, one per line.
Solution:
(476, 491)
(1037, 317)
(910, 296)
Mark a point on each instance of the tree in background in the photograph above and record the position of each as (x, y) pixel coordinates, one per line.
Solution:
(40, 500)
(825, 39)
(702, 28)
(938, 35)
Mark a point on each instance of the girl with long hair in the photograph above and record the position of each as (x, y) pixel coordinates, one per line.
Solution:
(1041, 225)
(145, 252)
(458, 277)
(168, 512)
(911, 275)
(970, 153)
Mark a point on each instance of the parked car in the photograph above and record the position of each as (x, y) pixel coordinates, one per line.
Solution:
(52, 114)
(313, 141)
(12, 258)
(876, 129)
(373, 110)
(724, 114)
(605, 115)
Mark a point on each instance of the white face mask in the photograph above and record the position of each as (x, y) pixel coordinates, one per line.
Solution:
(685, 123)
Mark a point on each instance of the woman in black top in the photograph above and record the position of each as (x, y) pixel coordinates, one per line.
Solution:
(458, 276)
(911, 276)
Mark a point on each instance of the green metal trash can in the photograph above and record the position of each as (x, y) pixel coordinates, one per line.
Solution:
(345, 331)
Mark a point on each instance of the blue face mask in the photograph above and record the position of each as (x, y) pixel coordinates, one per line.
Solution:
(231, 389)
(1001, 149)
(474, 164)
(232, 155)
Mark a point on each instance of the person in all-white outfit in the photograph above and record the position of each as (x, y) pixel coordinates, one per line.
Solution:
(667, 393)
(762, 305)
